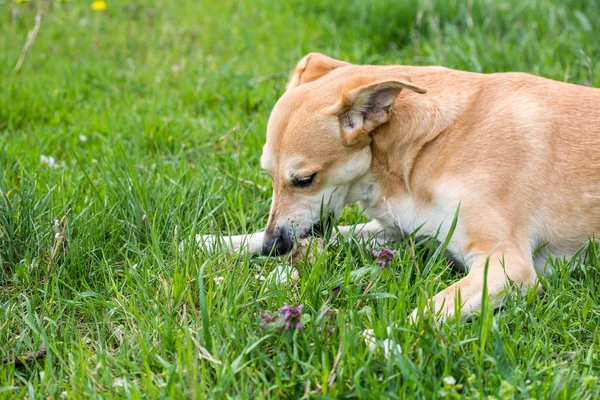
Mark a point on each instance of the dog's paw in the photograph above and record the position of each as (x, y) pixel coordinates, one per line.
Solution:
(413, 318)
(390, 348)
(207, 242)
(438, 311)
(204, 242)
(284, 274)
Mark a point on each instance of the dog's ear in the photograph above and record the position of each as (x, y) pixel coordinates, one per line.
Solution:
(312, 67)
(363, 108)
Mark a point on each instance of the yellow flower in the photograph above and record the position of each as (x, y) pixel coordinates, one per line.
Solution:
(98, 5)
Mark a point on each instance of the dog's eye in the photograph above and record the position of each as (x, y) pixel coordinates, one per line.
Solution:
(304, 181)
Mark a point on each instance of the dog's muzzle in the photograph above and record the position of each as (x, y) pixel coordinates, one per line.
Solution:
(279, 243)
(282, 240)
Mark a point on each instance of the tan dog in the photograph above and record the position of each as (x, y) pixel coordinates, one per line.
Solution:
(520, 154)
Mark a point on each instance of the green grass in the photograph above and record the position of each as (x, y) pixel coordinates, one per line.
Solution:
(155, 113)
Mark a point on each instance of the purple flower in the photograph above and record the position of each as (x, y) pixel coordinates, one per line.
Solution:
(288, 311)
(291, 315)
(288, 318)
(268, 319)
(384, 256)
(329, 316)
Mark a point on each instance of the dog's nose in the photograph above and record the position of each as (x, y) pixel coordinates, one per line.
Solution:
(277, 244)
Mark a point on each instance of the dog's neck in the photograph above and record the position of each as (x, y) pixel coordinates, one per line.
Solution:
(417, 121)
(409, 144)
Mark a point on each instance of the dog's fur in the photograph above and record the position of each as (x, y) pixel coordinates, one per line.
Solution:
(518, 153)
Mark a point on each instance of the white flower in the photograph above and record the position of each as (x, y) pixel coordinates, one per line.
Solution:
(391, 348)
(369, 337)
(119, 382)
(218, 280)
(118, 333)
(57, 232)
(82, 138)
(283, 274)
(48, 161)
(449, 380)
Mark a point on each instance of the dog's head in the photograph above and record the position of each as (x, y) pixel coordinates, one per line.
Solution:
(318, 150)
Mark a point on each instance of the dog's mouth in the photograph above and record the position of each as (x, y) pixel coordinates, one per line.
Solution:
(315, 230)
(321, 228)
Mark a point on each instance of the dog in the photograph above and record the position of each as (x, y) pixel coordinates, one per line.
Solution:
(518, 155)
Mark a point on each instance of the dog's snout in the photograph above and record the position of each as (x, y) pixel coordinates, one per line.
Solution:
(278, 243)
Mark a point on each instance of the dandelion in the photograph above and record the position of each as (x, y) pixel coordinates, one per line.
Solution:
(384, 256)
(98, 5)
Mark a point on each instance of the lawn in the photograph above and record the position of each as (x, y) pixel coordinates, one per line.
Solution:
(128, 130)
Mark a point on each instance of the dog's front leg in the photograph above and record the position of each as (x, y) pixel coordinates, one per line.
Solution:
(251, 242)
(505, 268)
(372, 230)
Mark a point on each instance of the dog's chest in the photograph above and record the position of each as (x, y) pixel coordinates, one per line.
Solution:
(434, 218)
